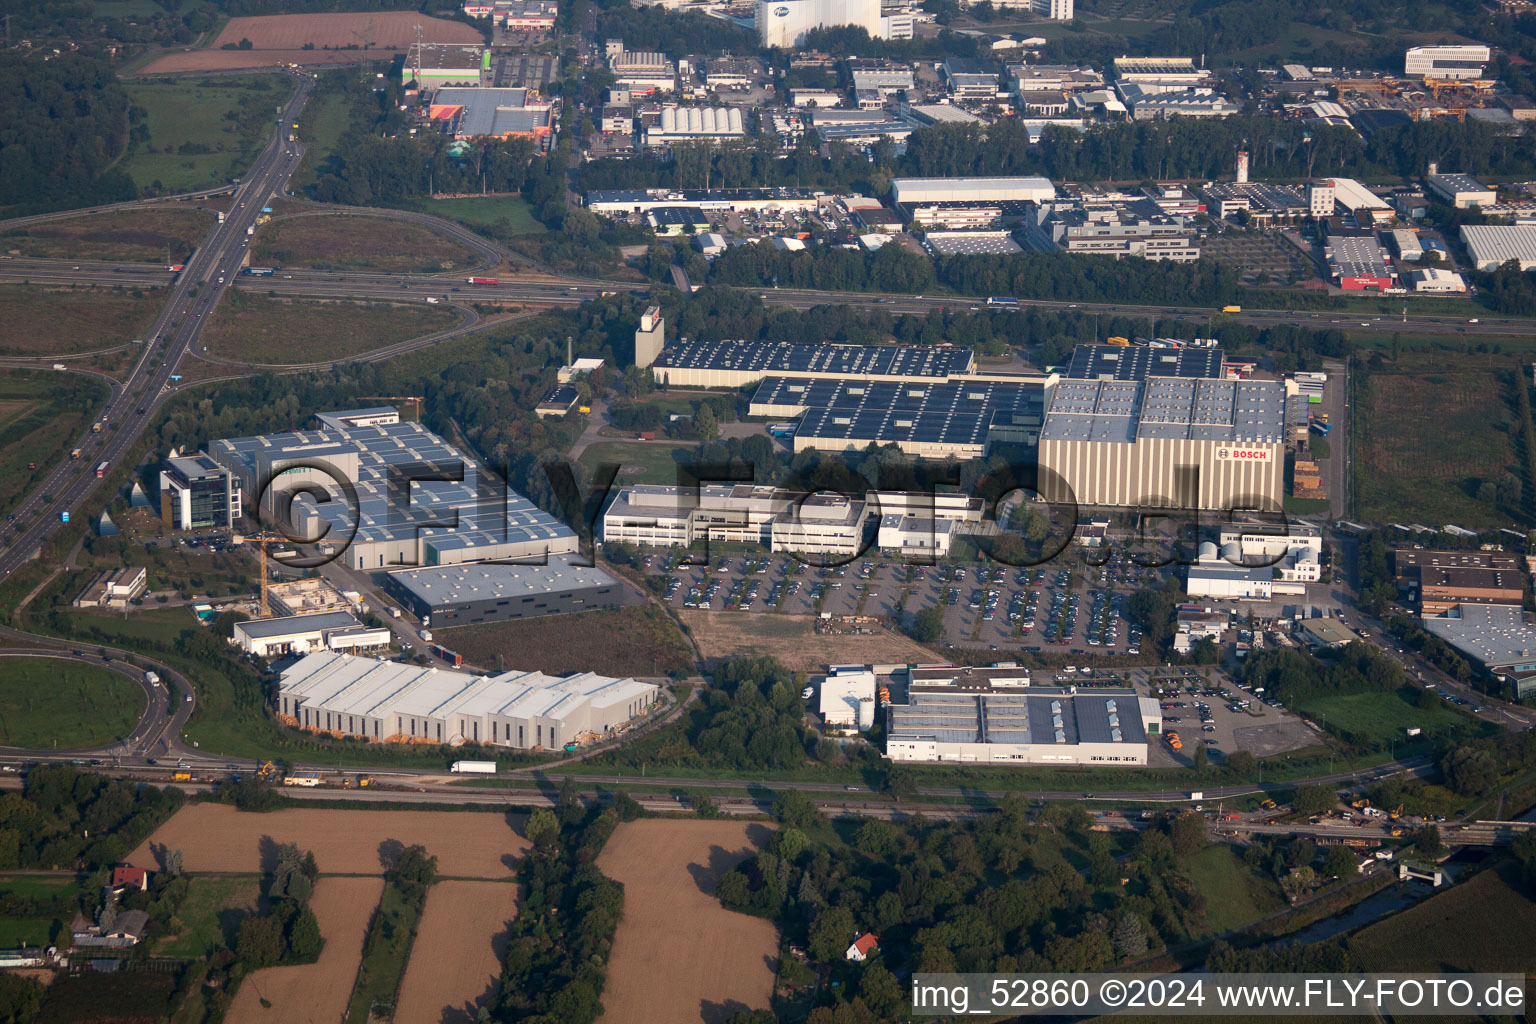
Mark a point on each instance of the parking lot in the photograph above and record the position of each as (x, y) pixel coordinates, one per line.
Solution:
(1205, 704)
(1060, 608)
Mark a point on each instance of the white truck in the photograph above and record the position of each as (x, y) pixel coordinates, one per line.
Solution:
(308, 780)
(474, 768)
(152, 678)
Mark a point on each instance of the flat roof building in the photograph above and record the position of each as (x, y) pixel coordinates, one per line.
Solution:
(1326, 634)
(740, 200)
(492, 113)
(1496, 638)
(883, 76)
(734, 363)
(1138, 362)
(671, 516)
(196, 493)
(302, 634)
(384, 701)
(998, 724)
(434, 65)
(920, 190)
(455, 595)
(1447, 63)
(1461, 190)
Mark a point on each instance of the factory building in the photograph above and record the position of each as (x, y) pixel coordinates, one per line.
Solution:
(611, 202)
(395, 523)
(914, 537)
(784, 23)
(1138, 362)
(435, 65)
(1447, 63)
(1257, 566)
(458, 595)
(847, 699)
(395, 702)
(643, 73)
(1496, 638)
(735, 364)
(937, 190)
(1165, 442)
(1433, 280)
(302, 634)
(988, 722)
(1462, 191)
(1493, 245)
(492, 113)
(680, 124)
(887, 77)
(928, 419)
(1160, 74)
(196, 493)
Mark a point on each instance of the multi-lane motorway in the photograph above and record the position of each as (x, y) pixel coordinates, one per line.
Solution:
(174, 332)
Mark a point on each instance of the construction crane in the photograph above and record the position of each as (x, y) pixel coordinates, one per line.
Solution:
(261, 540)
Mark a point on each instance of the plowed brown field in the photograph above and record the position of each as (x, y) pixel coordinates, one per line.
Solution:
(316, 992)
(678, 955)
(280, 39)
(456, 959)
(216, 837)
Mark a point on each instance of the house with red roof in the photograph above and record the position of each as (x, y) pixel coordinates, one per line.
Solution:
(862, 946)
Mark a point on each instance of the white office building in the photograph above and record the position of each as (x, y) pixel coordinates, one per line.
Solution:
(303, 634)
(1447, 63)
(660, 515)
(915, 537)
(848, 699)
(784, 23)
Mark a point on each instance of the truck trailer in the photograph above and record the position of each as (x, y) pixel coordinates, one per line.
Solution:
(473, 768)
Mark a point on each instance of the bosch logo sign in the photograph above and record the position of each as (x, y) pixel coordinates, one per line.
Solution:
(1244, 454)
(781, 12)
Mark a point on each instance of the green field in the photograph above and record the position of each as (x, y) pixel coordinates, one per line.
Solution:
(1384, 717)
(55, 899)
(648, 462)
(41, 415)
(268, 331)
(508, 214)
(636, 641)
(158, 234)
(211, 914)
(384, 955)
(1235, 894)
(325, 119)
(68, 321)
(1482, 924)
(1427, 435)
(202, 132)
(63, 704)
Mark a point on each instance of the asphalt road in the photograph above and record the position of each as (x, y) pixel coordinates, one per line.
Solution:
(192, 299)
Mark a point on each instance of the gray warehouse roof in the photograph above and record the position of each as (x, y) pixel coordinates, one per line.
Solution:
(1493, 634)
(445, 585)
(1028, 716)
(1167, 407)
(860, 410)
(1098, 362)
(288, 625)
(853, 360)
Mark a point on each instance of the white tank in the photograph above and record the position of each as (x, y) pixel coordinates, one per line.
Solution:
(1207, 551)
(1232, 551)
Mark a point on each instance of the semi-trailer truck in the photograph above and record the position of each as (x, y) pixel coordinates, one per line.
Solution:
(482, 280)
(473, 768)
(101, 470)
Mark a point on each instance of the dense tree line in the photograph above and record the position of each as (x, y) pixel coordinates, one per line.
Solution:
(368, 170)
(63, 817)
(557, 955)
(63, 123)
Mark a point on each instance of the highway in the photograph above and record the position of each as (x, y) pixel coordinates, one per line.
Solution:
(174, 332)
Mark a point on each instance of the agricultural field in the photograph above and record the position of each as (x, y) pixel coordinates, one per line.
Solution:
(201, 134)
(793, 640)
(1465, 928)
(159, 235)
(313, 39)
(41, 414)
(124, 997)
(639, 640)
(317, 991)
(216, 837)
(678, 955)
(70, 321)
(268, 331)
(54, 701)
(1429, 432)
(358, 243)
(456, 960)
(211, 914)
(56, 898)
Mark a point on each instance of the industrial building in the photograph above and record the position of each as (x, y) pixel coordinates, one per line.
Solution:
(952, 506)
(1138, 362)
(1257, 566)
(680, 124)
(396, 524)
(301, 634)
(435, 65)
(785, 199)
(928, 419)
(915, 538)
(1322, 634)
(1160, 74)
(389, 701)
(643, 73)
(987, 722)
(886, 77)
(847, 699)
(1439, 580)
(1460, 190)
(784, 23)
(970, 79)
(196, 493)
(492, 113)
(1446, 63)
(1263, 202)
(1358, 262)
(1433, 280)
(671, 516)
(1164, 441)
(457, 595)
(1148, 102)
(971, 243)
(1112, 228)
(931, 190)
(1493, 245)
(1496, 638)
(735, 364)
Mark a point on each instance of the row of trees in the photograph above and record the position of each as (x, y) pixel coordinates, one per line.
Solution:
(64, 817)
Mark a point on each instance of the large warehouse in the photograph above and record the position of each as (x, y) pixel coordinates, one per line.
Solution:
(734, 364)
(1165, 442)
(951, 190)
(456, 595)
(1138, 362)
(429, 522)
(985, 722)
(393, 701)
(1493, 245)
(930, 419)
